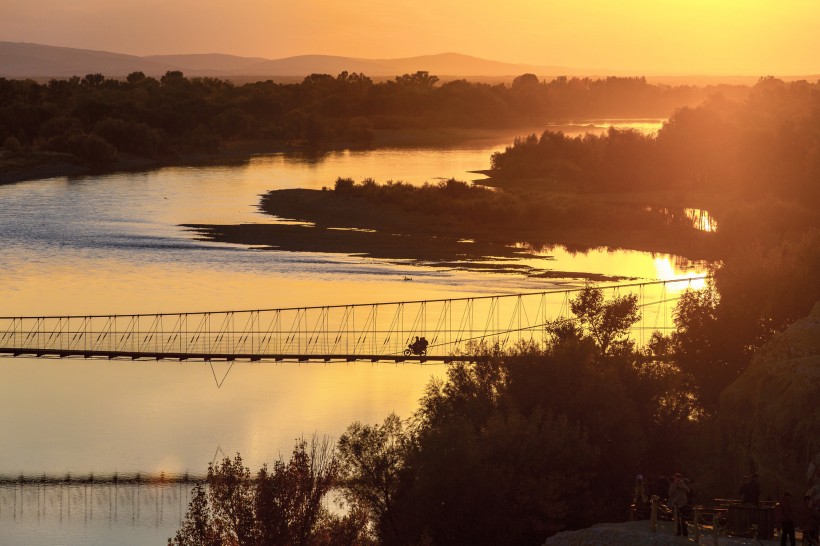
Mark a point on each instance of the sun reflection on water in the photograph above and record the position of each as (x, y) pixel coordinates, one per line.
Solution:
(668, 270)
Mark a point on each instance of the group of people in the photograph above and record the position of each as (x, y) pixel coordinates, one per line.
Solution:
(809, 512)
(787, 515)
(419, 346)
(675, 493)
(750, 489)
(805, 516)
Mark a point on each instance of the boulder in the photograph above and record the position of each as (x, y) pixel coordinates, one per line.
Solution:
(768, 419)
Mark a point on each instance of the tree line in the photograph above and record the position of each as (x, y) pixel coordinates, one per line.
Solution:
(95, 118)
(767, 145)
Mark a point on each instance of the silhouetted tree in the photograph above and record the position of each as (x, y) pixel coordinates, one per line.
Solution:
(607, 323)
(135, 77)
(284, 506)
(372, 460)
(93, 80)
(172, 76)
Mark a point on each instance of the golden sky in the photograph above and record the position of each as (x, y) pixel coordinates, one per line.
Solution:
(750, 37)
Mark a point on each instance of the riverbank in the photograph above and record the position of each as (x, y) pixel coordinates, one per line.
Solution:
(23, 166)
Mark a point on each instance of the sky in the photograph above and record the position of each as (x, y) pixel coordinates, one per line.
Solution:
(746, 37)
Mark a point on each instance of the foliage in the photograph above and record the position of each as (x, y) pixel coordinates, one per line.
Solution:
(696, 349)
(608, 323)
(11, 144)
(757, 292)
(284, 506)
(460, 209)
(760, 148)
(372, 462)
(198, 527)
(167, 117)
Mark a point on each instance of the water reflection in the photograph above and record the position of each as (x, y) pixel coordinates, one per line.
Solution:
(578, 128)
(669, 268)
(93, 509)
(699, 219)
(81, 417)
(586, 263)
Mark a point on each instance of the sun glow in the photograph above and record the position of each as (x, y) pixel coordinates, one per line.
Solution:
(667, 271)
(749, 37)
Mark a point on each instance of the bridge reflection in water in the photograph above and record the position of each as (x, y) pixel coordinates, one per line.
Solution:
(136, 500)
(377, 331)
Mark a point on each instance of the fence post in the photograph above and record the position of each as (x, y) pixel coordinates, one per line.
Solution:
(695, 522)
(675, 518)
(715, 528)
(653, 515)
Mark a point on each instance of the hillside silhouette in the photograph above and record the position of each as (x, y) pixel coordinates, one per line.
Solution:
(26, 60)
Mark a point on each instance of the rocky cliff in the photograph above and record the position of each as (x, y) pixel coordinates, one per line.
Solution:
(631, 533)
(768, 420)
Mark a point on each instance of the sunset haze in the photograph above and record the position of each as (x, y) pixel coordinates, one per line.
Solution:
(663, 37)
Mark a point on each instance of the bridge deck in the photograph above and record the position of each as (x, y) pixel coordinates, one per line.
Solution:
(213, 357)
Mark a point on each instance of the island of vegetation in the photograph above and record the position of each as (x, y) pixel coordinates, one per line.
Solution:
(455, 224)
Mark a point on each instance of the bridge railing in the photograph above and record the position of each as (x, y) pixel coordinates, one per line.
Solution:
(138, 500)
(377, 330)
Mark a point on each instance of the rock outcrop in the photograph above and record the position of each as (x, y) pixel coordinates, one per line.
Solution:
(768, 419)
(632, 533)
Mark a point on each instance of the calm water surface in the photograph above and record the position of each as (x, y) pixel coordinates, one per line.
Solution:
(112, 244)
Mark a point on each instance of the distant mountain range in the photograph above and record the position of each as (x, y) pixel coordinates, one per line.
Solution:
(24, 60)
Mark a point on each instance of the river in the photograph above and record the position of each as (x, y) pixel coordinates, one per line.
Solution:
(113, 244)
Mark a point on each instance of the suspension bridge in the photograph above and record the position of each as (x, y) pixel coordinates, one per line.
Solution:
(376, 331)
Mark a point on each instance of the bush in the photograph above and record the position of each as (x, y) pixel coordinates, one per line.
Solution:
(130, 136)
(11, 144)
(344, 185)
(92, 149)
(360, 131)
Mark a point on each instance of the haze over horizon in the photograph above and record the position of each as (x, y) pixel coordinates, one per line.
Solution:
(731, 37)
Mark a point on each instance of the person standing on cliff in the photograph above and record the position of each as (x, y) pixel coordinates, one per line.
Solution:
(750, 490)
(677, 500)
(640, 498)
(661, 488)
(812, 501)
(785, 515)
(807, 521)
